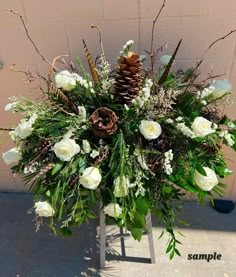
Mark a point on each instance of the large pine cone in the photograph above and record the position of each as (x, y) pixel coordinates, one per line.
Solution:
(103, 122)
(128, 78)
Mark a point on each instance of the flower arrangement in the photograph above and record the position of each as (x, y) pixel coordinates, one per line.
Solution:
(136, 139)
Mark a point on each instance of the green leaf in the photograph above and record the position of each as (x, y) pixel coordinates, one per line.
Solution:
(142, 206)
(170, 246)
(48, 193)
(91, 214)
(161, 235)
(172, 255)
(201, 170)
(57, 167)
(137, 233)
(177, 252)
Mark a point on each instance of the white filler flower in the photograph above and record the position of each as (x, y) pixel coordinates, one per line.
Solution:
(113, 210)
(150, 129)
(208, 182)
(24, 129)
(43, 208)
(90, 178)
(221, 87)
(202, 127)
(65, 80)
(121, 186)
(66, 149)
(12, 156)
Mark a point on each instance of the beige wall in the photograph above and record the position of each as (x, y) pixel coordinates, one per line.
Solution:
(58, 27)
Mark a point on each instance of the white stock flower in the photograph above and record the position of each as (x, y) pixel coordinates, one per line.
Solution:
(150, 129)
(113, 210)
(121, 186)
(66, 149)
(10, 106)
(94, 154)
(82, 113)
(185, 130)
(165, 59)
(91, 178)
(221, 87)
(65, 80)
(202, 127)
(24, 129)
(208, 182)
(86, 146)
(43, 208)
(12, 156)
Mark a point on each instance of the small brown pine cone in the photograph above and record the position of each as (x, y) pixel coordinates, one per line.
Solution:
(103, 122)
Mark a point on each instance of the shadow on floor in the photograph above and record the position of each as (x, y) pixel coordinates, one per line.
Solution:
(23, 252)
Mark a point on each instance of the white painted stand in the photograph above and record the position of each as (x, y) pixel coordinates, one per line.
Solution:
(103, 238)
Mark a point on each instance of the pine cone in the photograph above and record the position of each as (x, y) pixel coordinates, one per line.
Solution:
(128, 78)
(103, 122)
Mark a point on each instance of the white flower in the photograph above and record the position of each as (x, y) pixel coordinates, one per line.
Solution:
(185, 130)
(229, 139)
(208, 182)
(121, 186)
(65, 80)
(12, 156)
(33, 118)
(66, 149)
(24, 129)
(43, 208)
(165, 59)
(221, 87)
(10, 106)
(86, 146)
(169, 120)
(169, 155)
(150, 129)
(179, 118)
(94, 154)
(82, 113)
(91, 178)
(202, 127)
(113, 210)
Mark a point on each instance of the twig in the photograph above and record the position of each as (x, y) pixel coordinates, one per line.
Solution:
(203, 56)
(27, 33)
(152, 38)
(6, 129)
(54, 62)
(100, 40)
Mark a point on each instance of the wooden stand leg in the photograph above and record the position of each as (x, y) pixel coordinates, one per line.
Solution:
(102, 237)
(150, 238)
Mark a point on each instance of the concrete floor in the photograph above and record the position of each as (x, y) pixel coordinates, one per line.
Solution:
(25, 253)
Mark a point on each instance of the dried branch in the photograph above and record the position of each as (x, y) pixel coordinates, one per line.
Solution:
(59, 108)
(203, 56)
(6, 129)
(152, 55)
(27, 33)
(100, 40)
(52, 67)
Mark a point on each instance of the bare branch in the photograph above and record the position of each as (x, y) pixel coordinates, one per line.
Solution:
(100, 40)
(27, 33)
(6, 129)
(203, 56)
(152, 38)
(52, 67)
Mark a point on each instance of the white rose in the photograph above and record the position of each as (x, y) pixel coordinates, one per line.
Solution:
(208, 182)
(202, 127)
(24, 129)
(113, 210)
(43, 208)
(65, 80)
(221, 87)
(150, 129)
(66, 149)
(12, 156)
(91, 178)
(121, 186)
(165, 59)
